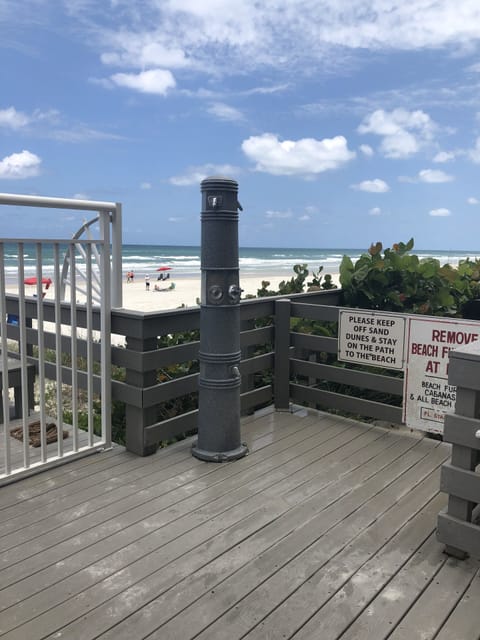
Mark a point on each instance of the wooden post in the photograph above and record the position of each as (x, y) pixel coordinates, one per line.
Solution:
(137, 418)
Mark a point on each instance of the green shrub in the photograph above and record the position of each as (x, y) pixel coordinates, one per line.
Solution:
(298, 282)
(400, 281)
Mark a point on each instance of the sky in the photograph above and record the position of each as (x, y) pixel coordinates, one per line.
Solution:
(345, 122)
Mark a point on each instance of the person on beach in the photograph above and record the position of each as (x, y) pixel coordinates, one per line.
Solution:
(147, 283)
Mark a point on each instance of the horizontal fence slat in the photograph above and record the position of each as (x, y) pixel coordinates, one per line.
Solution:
(151, 324)
(82, 379)
(257, 363)
(48, 309)
(357, 406)
(169, 390)
(189, 384)
(362, 379)
(65, 342)
(171, 428)
(325, 313)
(253, 337)
(460, 482)
(257, 397)
(459, 534)
(262, 307)
(151, 360)
(127, 393)
(257, 308)
(185, 422)
(120, 390)
(461, 430)
(314, 343)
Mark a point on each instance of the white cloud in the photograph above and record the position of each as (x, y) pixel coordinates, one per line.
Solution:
(430, 176)
(444, 156)
(243, 34)
(156, 81)
(10, 118)
(304, 218)
(146, 185)
(80, 196)
(80, 133)
(474, 67)
(367, 150)
(472, 200)
(305, 157)
(440, 213)
(174, 219)
(266, 90)
(279, 215)
(225, 112)
(374, 186)
(140, 52)
(51, 125)
(13, 119)
(194, 175)
(434, 176)
(20, 165)
(474, 154)
(403, 132)
(376, 211)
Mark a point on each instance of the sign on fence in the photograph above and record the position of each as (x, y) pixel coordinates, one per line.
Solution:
(371, 338)
(427, 394)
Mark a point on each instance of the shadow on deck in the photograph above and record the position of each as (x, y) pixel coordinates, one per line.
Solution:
(325, 530)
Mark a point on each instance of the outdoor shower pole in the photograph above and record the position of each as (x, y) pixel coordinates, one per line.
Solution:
(219, 437)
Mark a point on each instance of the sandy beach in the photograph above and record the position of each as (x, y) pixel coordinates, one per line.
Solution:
(186, 292)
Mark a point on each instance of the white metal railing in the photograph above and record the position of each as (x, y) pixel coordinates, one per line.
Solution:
(52, 312)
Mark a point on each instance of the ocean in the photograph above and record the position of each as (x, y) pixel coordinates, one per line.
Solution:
(184, 261)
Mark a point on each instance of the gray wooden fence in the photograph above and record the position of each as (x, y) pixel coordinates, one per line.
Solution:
(284, 359)
(458, 524)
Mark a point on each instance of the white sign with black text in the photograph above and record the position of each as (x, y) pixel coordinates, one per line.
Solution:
(371, 338)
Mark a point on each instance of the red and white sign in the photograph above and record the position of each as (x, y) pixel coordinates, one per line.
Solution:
(427, 394)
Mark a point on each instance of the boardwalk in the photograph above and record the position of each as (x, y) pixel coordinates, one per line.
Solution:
(325, 530)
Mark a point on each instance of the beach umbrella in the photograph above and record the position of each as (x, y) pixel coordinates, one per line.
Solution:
(33, 280)
(164, 269)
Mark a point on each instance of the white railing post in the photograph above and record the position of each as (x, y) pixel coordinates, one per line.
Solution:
(117, 293)
(4, 361)
(105, 333)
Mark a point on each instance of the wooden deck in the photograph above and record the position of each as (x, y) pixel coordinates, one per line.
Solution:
(17, 453)
(325, 530)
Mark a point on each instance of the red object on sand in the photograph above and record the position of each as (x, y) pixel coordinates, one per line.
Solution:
(33, 280)
(164, 268)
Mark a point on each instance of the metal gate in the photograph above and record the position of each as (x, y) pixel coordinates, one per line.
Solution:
(55, 361)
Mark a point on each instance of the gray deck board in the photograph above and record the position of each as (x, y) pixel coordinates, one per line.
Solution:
(325, 530)
(432, 608)
(463, 621)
